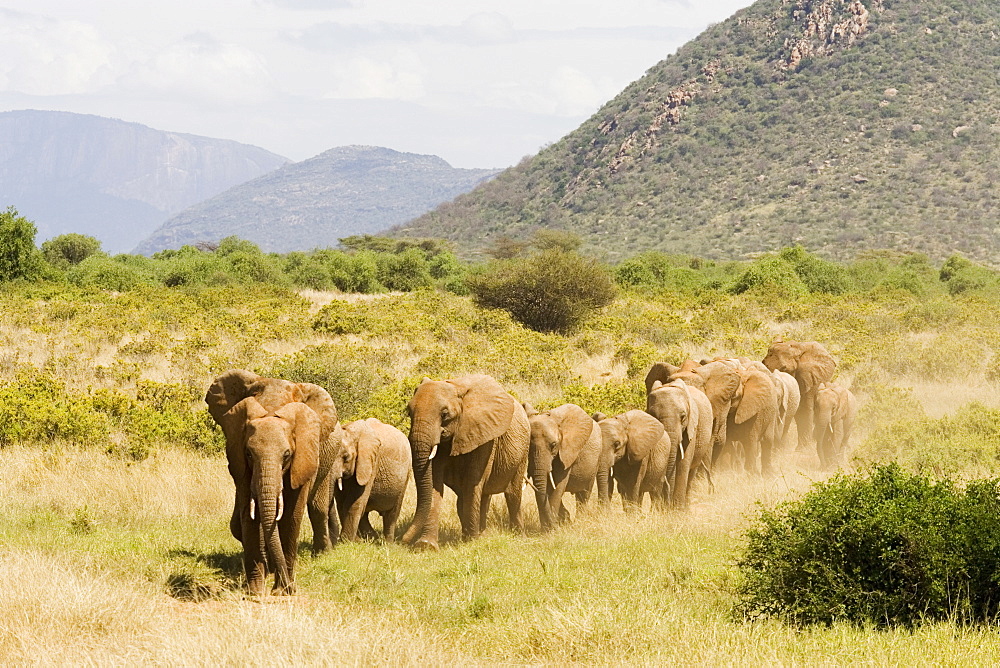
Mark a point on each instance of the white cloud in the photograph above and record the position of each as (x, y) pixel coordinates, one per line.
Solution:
(397, 75)
(200, 65)
(489, 28)
(43, 56)
(574, 92)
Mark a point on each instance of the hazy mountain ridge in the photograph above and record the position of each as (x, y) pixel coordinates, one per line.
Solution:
(839, 125)
(341, 192)
(112, 179)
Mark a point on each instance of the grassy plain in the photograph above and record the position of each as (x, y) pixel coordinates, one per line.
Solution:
(114, 538)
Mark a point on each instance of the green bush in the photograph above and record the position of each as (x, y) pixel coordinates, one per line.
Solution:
(550, 291)
(101, 271)
(67, 250)
(18, 255)
(885, 548)
(344, 373)
(771, 277)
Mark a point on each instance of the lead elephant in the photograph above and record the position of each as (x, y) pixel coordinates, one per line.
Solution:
(282, 442)
(640, 449)
(811, 365)
(470, 434)
(686, 415)
(564, 456)
(835, 411)
(376, 470)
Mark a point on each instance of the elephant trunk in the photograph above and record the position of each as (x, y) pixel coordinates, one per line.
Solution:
(269, 507)
(540, 480)
(423, 444)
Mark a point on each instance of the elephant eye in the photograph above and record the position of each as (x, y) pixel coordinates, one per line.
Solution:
(287, 455)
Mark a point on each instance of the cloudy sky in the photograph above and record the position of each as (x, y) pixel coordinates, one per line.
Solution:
(481, 83)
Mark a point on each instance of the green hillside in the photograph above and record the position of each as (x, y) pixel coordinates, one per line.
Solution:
(837, 125)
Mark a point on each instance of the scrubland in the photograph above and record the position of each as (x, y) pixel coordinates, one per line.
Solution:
(114, 495)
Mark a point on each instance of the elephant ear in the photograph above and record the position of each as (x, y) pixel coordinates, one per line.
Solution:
(368, 447)
(223, 394)
(643, 432)
(318, 399)
(487, 410)
(660, 371)
(721, 386)
(816, 365)
(575, 427)
(237, 418)
(757, 392)
(305, 448)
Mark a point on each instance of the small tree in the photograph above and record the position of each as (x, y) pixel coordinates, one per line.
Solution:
(67, 250)
(550, 291)
(18, 255)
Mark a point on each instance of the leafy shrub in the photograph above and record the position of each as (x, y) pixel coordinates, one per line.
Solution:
(885, 548)
(550, 291)
(817, 274)
(18, 255)
(610, 398)
(101, 271)
(67, 250)
(344, 373)
(770, 276)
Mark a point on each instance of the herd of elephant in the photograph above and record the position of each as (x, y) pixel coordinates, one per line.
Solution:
(289, 455)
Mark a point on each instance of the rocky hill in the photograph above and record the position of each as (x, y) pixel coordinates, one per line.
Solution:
(311, 204)
(110, 179)
(841, 125)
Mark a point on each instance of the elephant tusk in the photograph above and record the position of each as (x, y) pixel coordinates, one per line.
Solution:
(253, 509)
(681, 446)
(552, 480)
(433, 452)
(530, 484)
(281, 507)
(340, 484)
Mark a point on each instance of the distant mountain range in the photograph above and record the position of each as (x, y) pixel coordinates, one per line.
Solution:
(110, 179)
(311, 204)
(841, 125)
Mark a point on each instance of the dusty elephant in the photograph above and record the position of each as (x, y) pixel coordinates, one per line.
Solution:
(282, 440)
(789, 398)
(753, 420)
(470, 434)
(563, 456)
(835, 411)
(810, 364)
(641, 452)
(686, 415)
(376, 469)
(720, 382)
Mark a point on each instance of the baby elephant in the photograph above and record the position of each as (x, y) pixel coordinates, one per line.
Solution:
(835, 411)
(376, 463)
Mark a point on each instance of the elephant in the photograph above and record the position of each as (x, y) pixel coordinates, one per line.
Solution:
(470, 434)
(641, 452)
(686, 415)
(753, 419)
(564, 455)
(605, 466)
(282, 445)
(810, 364)
(376, 469)
(789, 397)
(835, 411)
(720, 382)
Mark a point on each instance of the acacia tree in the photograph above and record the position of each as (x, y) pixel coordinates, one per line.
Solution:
(17, 246)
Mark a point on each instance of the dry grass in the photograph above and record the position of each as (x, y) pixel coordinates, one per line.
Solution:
(611, 588)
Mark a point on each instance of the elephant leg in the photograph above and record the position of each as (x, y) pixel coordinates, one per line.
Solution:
(320, 516)
(289, 527)
(389, 519)
(476, 471)
(365, 529)
(254, 562)
(425, 535)
(804, 420)
(582, 502)
(513, 498)
(484, 511)
(353, 498)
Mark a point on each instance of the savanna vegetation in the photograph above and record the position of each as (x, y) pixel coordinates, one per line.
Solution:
(883, 134)
(114, 498)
